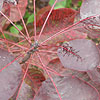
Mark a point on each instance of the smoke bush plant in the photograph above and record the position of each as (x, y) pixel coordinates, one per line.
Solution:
(58, 45)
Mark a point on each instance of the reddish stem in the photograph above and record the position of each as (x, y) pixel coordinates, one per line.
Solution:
(15, 26)
(16, 44)
(22, 81)
(24, 25)
(46, 19)
(49, 76)
(34, 22)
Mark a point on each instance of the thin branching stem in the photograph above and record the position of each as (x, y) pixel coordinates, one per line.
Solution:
(24, 25)
(46, 20)
(49, 76)
(22, 80)
(14, 44)
(65, 30)
(34, 21)
(15, 27)
(49, 69)
(10, 62)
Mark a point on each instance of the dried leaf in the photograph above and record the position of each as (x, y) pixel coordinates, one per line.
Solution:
(34, 77)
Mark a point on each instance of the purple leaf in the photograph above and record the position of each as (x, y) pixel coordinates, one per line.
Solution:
(91, 25)
(1, 4)
(10, 77)
(94, 74)
(84, 55)
(90, 8)
(69, 89)
(26, 93)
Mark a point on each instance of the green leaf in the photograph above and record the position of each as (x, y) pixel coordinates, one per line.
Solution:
(68, 3)
(14, 30)
(51, 2)
(6, 36)
(27, 14)
(61, 4)
(30, 19)
(79, 3)
(21, 43)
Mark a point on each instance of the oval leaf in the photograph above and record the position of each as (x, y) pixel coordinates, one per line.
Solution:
(10, 77)
(89, 8)
(83, 55)
(69, 89)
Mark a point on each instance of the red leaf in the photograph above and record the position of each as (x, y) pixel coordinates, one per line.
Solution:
(58, 20)
(58, 15)
(6, 11)
(42, 11)
(14, 13)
